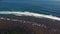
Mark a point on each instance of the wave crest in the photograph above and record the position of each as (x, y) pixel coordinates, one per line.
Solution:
(19, 13)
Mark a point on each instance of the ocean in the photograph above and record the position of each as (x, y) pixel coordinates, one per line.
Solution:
(22, 15)
(50, 8)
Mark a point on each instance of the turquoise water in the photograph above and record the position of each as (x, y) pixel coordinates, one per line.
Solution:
(47, 9)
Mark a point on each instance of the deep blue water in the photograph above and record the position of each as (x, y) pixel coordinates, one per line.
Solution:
(49, 8)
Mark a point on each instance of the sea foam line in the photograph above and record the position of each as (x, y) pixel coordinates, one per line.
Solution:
(30, 14)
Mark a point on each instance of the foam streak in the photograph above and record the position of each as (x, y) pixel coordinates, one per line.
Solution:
(30, 14)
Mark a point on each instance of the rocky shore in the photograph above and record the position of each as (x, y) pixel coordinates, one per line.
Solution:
(29, 25)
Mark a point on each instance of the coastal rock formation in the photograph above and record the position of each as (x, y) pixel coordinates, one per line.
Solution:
(28, 25)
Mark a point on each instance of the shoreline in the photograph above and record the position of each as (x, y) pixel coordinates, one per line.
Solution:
(52, 23)
(28, 21)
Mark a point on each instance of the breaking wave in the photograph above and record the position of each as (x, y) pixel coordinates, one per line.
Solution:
(19, 13)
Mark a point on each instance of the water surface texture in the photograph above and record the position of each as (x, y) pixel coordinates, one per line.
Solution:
(48, 7)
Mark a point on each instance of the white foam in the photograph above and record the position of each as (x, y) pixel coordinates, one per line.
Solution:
(7, 18)
(30, 14)
(2, 18)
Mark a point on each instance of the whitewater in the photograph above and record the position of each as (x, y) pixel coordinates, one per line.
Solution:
(26, 13)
